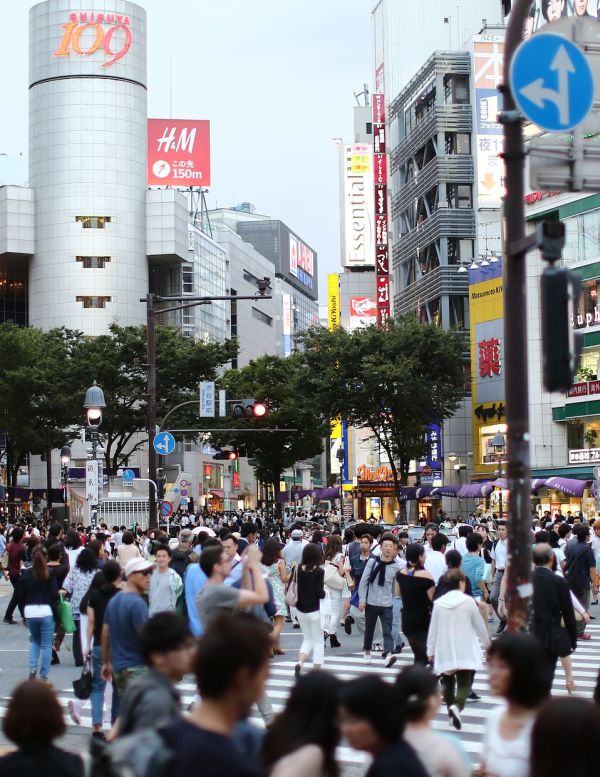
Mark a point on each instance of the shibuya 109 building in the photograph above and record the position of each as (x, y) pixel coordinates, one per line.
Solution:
(76, 244)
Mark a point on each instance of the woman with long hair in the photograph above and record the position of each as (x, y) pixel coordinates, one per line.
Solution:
(334, 582)
(33, 720)
(127, 549)
(418, 695)
(16, 550)
(38, 592)
(76, 585)
(311, 589)
(518, 672)
(416, 589)
(302, 739)
(73, 546)
(272, 559)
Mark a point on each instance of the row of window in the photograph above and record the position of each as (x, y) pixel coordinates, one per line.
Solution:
(93, 222)
(93, 301)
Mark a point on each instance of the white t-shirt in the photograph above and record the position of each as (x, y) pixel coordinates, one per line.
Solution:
(506, 758)
(435, 563)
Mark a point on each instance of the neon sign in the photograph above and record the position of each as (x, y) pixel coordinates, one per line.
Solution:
(98, 31)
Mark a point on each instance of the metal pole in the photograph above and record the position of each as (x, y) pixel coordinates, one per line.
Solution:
(49, 480)
(519, 589)
(152, 458)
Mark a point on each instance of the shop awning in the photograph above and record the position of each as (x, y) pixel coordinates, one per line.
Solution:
(423, 491)
(217, 493)
(472, 490)
(568, 486)
(451, 491)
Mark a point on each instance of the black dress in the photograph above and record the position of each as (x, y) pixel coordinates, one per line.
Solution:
(416, 612)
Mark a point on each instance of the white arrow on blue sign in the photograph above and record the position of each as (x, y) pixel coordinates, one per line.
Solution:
(164, 443)
(552, 82)
(128, 475)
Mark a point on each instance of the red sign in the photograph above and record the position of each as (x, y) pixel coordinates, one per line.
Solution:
(236, 479)
(383, 290)
(383, 260)
(381, 218)
(379, 109)
(87, 33)
(380, 169)
(489, 357)
(178, 152)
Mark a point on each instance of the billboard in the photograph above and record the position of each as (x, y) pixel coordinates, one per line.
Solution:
(286, 300)
(178, 152)
(333, 301)
(544, 11)
(363, 311)
(297, 260)
(358, 225)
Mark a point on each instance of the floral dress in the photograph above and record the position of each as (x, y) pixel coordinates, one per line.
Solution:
(278, 588)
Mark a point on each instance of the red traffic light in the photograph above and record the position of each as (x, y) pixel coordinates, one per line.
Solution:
(259, 410)
(233, 455)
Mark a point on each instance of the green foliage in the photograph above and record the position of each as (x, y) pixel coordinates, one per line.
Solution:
(45, 376)
(394, 382)
(280, 383)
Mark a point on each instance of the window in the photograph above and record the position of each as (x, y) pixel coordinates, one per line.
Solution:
(260, 316)
(93, 302)
(187, 280)
(93, 222)
(93, 262)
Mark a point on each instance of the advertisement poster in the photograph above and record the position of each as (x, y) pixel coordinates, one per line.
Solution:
(178, 152)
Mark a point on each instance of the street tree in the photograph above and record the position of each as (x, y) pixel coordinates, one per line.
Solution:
(37, 389)
(278, 382)
(393, 381)
(117, 361)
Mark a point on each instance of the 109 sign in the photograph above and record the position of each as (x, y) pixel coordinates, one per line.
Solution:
(85, 34)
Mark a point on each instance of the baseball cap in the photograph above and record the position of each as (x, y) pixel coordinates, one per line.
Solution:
(297, 534)
(137, 565)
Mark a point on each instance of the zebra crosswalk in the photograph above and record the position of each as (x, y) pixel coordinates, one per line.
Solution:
(586, 663)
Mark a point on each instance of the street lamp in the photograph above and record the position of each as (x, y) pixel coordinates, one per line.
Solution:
(93, 405)
(340, 456)
(499, 446)
(65, 460)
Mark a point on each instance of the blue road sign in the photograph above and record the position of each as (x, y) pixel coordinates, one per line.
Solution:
(128, 475)
(166, 509)
(552, 82)
(164, 443)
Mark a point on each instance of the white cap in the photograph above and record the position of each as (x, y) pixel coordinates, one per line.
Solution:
(137, 565)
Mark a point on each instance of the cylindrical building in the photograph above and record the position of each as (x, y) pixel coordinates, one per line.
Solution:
(87, 164)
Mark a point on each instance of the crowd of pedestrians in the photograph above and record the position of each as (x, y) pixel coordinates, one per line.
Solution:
(145, 610)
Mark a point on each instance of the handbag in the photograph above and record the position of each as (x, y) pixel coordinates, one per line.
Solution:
(291, 589)
(487, 574)
(65, 615)
(82, 688)
(333, 579)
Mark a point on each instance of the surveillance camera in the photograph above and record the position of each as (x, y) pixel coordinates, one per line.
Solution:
(264, 284)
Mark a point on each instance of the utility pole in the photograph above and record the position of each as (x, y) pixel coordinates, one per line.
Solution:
(519, 590)
(152, 300)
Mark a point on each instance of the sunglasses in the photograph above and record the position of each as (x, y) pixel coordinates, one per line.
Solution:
(146, 572)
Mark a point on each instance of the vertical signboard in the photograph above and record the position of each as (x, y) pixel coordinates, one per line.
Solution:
(222, 403)
(382, 267)
(488, 58)
(358, 226)
(91, 482)
(333, 301)
(207, 399)
(287, 323)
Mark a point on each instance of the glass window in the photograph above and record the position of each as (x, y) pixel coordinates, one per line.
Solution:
(589, 230)
(93, 302)
(93, 262)
(93, 222)
(463, 143)
(464, 196)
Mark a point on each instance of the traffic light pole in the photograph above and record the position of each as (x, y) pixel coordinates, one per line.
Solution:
(519, 589)
(152, 311)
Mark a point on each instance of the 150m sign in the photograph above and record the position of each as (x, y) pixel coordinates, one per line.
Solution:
(86, 33)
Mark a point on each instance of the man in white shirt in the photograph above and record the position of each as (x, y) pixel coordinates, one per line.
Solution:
(499, 558)
(461, 543)
(430, 531)
(230, 546)
(435, 562)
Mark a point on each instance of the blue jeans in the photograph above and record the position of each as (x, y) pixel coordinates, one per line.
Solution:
(98, 686)
(41, 631)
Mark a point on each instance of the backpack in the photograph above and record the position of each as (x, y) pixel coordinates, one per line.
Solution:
(291, 589)
(141, 754)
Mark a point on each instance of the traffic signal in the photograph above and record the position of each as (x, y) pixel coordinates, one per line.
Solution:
(249, 408)
(561, 343)
(225, 454)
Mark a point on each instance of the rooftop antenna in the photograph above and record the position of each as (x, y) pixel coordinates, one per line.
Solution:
(365, 93)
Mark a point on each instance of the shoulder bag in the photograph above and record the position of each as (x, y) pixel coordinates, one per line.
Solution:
(291, 589)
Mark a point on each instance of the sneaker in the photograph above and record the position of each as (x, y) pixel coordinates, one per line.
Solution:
(454, 715)
(367, 658)
(377, 646)
(391, 661)
(473, 697)
(296, 626)
(398, 648)
(348, 624)
(74, 708)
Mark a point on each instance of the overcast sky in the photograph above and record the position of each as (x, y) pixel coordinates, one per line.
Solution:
(276, 79)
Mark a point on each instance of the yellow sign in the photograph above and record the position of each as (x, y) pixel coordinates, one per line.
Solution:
(333, 301)
(336, 429)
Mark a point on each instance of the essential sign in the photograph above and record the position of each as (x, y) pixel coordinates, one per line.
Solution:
(164, 443)
(552, 82)
(178, 152)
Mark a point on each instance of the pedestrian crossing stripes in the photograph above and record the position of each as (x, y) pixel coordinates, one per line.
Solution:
(586, 663)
